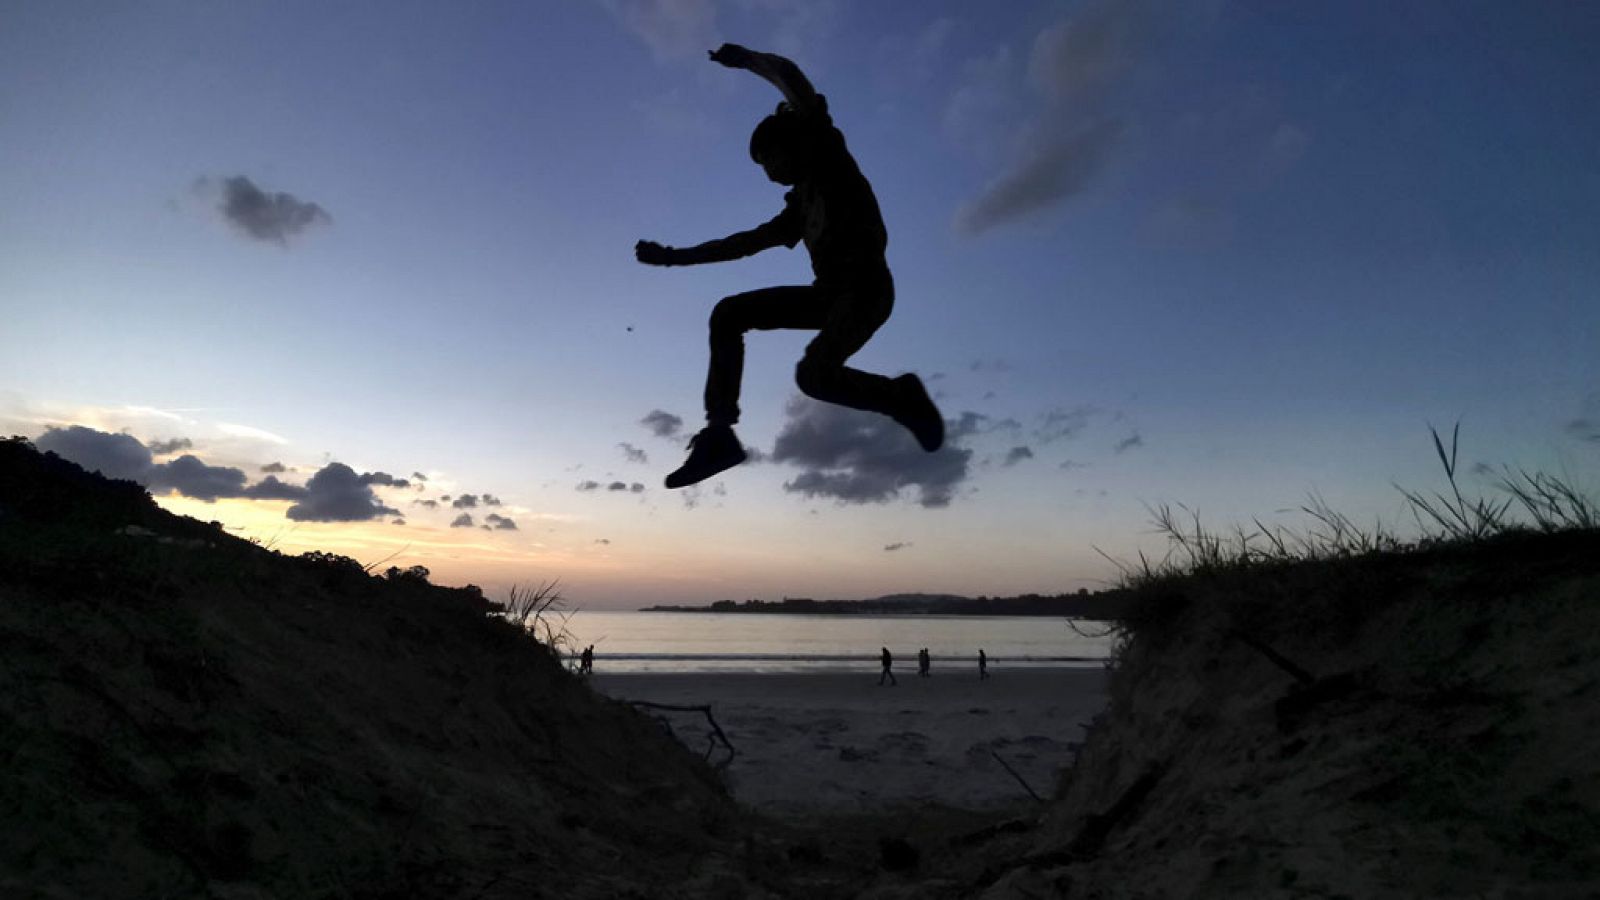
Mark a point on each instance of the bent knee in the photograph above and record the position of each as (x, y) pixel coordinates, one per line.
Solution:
(725, 316)
(813, 376)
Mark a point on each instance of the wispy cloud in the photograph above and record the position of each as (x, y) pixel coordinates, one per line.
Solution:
(1016, 455)
(674, 30)
(1128, 443)
(1077, 66)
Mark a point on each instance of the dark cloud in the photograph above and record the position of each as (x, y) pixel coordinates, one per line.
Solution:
(587, 486)
(163, 448)
(636, 488)
(462, 521)
(274, 468)
(337, 494)
(499, 523)
(602, 540)
(445, 499)
(1016, 455)
(112, 455)
(1128, 443)
(192, 478)
(272, 217)
(662, 424)
(617, 486)
(857, 457)
(898, 545)
(490, 500)
(1069, 464)
(398, 522)
(384, 479)
(634, 454)
(270, 488)
(418, 476)
(430, 504)
(466, 501)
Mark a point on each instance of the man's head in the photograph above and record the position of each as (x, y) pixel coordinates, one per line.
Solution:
(779, 144)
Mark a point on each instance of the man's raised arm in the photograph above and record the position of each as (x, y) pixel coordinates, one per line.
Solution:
(783, 74)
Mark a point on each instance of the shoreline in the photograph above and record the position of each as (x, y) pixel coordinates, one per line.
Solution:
(837, 742)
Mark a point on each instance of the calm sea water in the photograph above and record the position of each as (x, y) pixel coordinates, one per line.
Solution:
(745, 642)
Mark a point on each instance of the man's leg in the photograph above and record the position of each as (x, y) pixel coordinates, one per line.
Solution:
(716, 448)
(856, 314)
(765, 309)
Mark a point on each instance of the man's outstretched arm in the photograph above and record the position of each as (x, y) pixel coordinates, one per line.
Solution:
(783, 74)
(734, 246)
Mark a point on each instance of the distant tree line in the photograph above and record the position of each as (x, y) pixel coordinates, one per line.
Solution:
(1083, 604)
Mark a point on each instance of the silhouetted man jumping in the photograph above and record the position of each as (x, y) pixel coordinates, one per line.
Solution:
(832, 208)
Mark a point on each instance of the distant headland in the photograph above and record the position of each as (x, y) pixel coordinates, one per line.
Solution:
(1106, 604)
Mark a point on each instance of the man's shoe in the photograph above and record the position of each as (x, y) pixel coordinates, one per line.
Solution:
(715, 449)
(918, 414)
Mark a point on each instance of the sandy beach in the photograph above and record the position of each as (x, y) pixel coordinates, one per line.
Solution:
(836, 742)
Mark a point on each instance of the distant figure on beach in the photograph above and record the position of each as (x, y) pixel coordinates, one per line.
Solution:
(586, 661)
(888, 661)
(983, 664)
(831, 208)
(924, 663)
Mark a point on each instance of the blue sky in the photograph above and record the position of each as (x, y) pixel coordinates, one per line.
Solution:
(1219, 253)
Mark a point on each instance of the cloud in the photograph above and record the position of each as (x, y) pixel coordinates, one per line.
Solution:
(337, 494)
(490, 500)
(1584, 429)
(1016, 455)
(112, 455)
(602, 540)
(587, 486)
(192, 478)
(418, 476)
(465, 501)
(1068, 465)
(672, 29)
(499, 523)
(898, 545)
(384, 479)
(270, 488)
(163, 448)
(1128, 443)
(1077, 65)
(857, 457)
(1059, 424)
(1050, 172)
(429, 504)
(462, 521)
(274, 217)
(634, 454)
(617, 486)
(274, 468)
(662, 424)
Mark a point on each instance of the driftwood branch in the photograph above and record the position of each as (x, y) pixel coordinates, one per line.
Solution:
(1278, 659)
(1007, 767)
(716, 734)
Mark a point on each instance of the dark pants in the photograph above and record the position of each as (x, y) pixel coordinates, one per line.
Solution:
(844, 316)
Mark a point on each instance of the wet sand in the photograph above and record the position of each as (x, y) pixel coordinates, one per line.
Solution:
(836, 742)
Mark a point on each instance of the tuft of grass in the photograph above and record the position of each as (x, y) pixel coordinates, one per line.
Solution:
(542, 612)
(1545, 503)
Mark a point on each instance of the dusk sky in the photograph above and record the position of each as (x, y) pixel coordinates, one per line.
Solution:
(1223, 254)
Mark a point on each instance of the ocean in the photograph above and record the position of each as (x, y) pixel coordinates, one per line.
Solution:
(777, 642)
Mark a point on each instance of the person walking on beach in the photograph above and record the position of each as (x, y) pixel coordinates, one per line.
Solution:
(586, 661)
(924, 663)
(832, 209)
(983, 665)
(888, 660)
